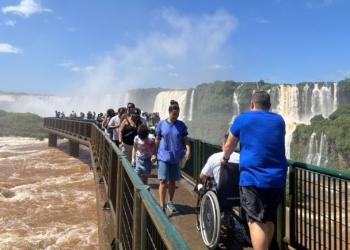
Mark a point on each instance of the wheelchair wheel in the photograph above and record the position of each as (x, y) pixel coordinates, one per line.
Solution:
(244, 226)
(210, 220)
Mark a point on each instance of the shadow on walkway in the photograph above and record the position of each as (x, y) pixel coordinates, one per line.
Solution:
(184, 219)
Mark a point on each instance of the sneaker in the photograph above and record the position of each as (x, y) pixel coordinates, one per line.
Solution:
(162, 208)
(171, 206)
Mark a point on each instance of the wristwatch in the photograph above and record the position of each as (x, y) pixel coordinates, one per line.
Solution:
(225, 159)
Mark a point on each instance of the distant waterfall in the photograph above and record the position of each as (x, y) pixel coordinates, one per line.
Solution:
(335, 96)
(318, 152)
(235, 104)
(162, 102)
(288, 138)
(191, 106)
(274, 98)
(321, 101)
(289, 103)
(306, 102)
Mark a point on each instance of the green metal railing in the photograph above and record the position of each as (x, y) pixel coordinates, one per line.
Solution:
(139, 222)
(318, 197)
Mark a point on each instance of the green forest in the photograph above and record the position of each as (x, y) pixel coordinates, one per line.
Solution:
(22, 124)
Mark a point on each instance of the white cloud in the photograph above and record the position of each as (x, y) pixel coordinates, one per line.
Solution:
(262, 20)
(169, 66)
(189, 42)
(25, 8)
(66, 64)
(71, 29)
(272, 78)
(87, 68)
(7, 48)
(218, 66)
(338, 72)
(10, 23)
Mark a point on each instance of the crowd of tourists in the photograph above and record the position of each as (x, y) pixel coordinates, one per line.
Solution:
(262, 162)
(128, 128)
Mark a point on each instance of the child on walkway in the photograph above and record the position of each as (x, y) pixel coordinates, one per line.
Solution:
(143, 151)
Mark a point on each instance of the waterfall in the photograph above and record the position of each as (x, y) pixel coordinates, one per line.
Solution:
(162, 102)
(318, 152)
(305, 102)
(191, 106)
(335, 96)
(235, 104)
(322, 101)
(274, 98)
(289, 103)
(288, 138)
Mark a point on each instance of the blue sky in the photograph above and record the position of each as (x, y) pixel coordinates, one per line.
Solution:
(87, 46)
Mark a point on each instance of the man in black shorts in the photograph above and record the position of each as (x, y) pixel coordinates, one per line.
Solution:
(263, 166)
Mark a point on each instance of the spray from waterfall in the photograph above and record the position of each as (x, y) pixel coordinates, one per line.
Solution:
(191, 106)
(335, 96)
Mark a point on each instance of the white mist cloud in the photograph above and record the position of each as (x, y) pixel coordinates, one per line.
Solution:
(25, 8)
(10, 23)
(7, 48)
(218, 66)
(87, 68)
(338, 72)
(169, 66)
(189, 42)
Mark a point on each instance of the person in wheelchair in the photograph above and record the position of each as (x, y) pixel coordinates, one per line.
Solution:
(212, 168)
(217, 196)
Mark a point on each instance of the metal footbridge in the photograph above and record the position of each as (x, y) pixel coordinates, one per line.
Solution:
(313, 215)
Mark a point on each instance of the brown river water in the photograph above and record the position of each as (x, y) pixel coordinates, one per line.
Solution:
(47, 198)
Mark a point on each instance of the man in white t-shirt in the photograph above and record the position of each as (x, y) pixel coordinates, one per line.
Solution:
(212, 167)
(114, 124)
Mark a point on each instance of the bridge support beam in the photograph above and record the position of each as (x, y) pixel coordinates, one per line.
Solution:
(52, 140)
(73, 148)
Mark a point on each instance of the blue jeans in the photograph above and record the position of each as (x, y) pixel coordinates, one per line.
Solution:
(143, 166)
(167, 171)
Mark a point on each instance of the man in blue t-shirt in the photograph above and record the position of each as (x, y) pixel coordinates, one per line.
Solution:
(263, 166)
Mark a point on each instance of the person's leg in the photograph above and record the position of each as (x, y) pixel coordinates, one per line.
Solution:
(171, 190)
(163, 176)
(144, 179)
(258, 235)
(174, 175)
(162, 192)
(270, 230)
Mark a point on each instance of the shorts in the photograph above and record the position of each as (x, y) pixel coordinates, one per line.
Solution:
(143, 166)
(110, 131)
(167, 171)
(260, 204)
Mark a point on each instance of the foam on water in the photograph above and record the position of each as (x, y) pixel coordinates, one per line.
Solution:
(47, 197)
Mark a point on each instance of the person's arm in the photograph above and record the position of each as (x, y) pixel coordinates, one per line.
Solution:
(112, 124)
(134, 148)
(121, 131)
(229, 147)
(155, 148)
(187, 145)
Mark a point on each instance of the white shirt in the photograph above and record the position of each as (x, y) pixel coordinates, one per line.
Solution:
(212, 167)
(114, 122)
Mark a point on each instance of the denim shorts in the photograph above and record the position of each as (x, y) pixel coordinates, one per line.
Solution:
(167, 171)
(143, 166)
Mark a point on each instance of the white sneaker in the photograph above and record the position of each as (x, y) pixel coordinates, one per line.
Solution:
(171, 206)
(199, 187)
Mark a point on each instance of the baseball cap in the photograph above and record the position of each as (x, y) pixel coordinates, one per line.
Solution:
(135, 112)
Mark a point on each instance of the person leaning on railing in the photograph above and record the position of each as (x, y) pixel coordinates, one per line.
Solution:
(263, 166)
(171, 135)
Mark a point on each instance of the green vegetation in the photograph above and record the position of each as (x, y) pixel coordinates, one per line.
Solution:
(337, 130)
(22, 124)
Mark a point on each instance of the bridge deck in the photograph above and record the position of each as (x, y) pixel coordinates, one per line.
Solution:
(184, 219)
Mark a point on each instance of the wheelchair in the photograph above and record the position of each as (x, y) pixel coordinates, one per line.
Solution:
(212, 203)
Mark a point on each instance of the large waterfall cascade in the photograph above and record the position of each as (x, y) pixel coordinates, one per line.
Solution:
(162, 102)
(190, 112)
(318, 151)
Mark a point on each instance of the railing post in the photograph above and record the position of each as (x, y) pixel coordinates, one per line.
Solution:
(85, 130)
(136, 231)
(292, 204)
(112, 176)
(79, 129)
(120, 191)
(281, 221)
(143, 227)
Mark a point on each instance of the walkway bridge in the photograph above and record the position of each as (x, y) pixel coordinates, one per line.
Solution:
(313, 215)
